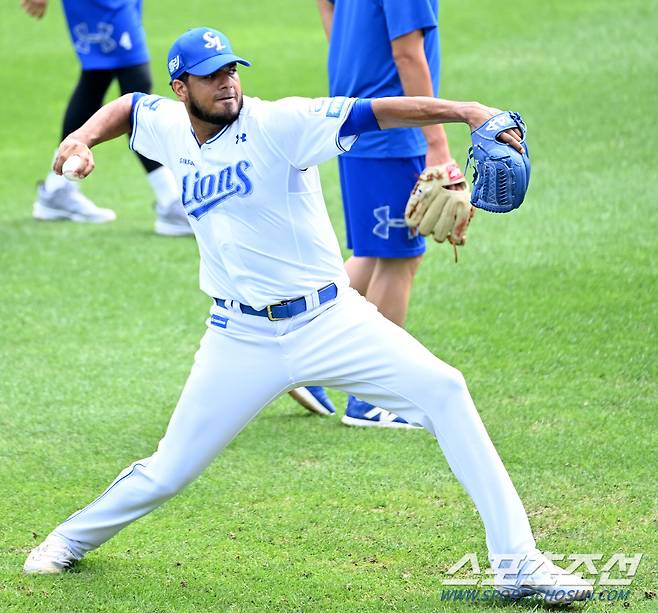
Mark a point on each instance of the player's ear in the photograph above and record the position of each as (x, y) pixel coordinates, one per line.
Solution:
(180, 89)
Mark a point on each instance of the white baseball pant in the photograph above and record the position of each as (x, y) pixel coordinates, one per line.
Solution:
(343, 344)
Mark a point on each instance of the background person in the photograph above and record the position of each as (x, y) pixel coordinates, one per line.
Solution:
(110, 42)
(378, 49)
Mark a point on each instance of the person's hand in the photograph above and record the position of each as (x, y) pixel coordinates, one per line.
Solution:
(501, 172)
(439, 204)
(69, 147)
(36, 8)
(478, 114)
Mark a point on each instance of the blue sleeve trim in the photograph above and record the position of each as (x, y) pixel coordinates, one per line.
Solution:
(133, 117)
(409, 29)
(361, 119)
(404, 17)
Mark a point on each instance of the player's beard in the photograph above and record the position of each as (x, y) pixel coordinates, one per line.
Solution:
(217, 119)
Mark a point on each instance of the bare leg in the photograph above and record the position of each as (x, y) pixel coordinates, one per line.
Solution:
(386, 283)
(359, 270)
(390, 286)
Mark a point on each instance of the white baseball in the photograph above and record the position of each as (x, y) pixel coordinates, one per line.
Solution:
(71, 166)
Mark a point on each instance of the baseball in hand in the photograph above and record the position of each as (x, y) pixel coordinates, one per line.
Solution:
(71, 166)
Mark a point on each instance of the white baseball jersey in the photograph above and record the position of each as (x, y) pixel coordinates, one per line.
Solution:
(252, 192)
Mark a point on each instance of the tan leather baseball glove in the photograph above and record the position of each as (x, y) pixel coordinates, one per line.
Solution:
(440, 204)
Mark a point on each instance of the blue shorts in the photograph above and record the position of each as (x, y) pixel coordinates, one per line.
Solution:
(375, 193)
(107, 34)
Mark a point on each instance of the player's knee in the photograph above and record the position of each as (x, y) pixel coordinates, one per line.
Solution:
(448, 382)
(455, 381)
(413, 264)
(168, 485)
(168, 489)
(407, 266)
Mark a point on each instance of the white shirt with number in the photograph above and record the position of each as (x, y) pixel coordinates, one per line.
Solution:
(252, 192)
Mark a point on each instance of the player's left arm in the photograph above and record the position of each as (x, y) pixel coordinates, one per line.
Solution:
(415, 76)
(109, 122)
(326, 10)
(419, 111)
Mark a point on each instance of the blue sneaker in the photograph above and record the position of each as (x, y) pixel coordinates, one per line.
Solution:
(314, 399)
(360, 413)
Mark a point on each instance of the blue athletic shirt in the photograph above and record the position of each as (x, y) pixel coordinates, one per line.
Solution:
(107, 34)
(361, 63)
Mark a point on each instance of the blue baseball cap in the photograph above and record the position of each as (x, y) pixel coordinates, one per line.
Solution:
(201, 52)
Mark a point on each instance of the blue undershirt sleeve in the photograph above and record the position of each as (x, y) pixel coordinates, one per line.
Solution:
(361, 119)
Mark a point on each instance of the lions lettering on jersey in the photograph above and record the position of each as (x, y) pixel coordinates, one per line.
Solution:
(203, 193)
(259, 218)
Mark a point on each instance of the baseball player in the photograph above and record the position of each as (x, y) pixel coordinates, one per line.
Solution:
(109, 40)
(246, 169)
(378, 49)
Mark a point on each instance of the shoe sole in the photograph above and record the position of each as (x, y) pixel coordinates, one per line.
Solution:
(43, 571)
(164, 228)
(309, 402)
(369, 423)
(41, 212)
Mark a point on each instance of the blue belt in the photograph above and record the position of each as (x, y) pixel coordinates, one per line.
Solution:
(286, 308)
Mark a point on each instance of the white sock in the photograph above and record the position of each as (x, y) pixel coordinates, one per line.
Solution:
(164, 185)
(54, 182)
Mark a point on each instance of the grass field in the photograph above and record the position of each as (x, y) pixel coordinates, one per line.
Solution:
(550, 313)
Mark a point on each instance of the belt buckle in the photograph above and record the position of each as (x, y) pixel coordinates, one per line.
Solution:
(268, 308)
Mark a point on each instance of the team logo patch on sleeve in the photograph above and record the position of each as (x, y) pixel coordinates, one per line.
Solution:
(336, 106)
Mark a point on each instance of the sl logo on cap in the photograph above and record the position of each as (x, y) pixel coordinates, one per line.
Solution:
(174, 64)
(213, 41)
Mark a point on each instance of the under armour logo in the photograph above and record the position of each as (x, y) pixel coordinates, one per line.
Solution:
(385, 222)
(240, 138)
(496, 123)
(103, 37)
(213, 41)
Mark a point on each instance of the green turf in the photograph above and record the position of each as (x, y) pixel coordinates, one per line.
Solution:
(551, 315)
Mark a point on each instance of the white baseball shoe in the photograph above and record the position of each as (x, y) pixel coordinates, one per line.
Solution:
(68, 203)
(51, 557)
(538, 576)
(172, 220)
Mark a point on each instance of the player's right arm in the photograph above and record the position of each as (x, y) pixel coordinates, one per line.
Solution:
(109, 122)
(414, 72)
(326, 10)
